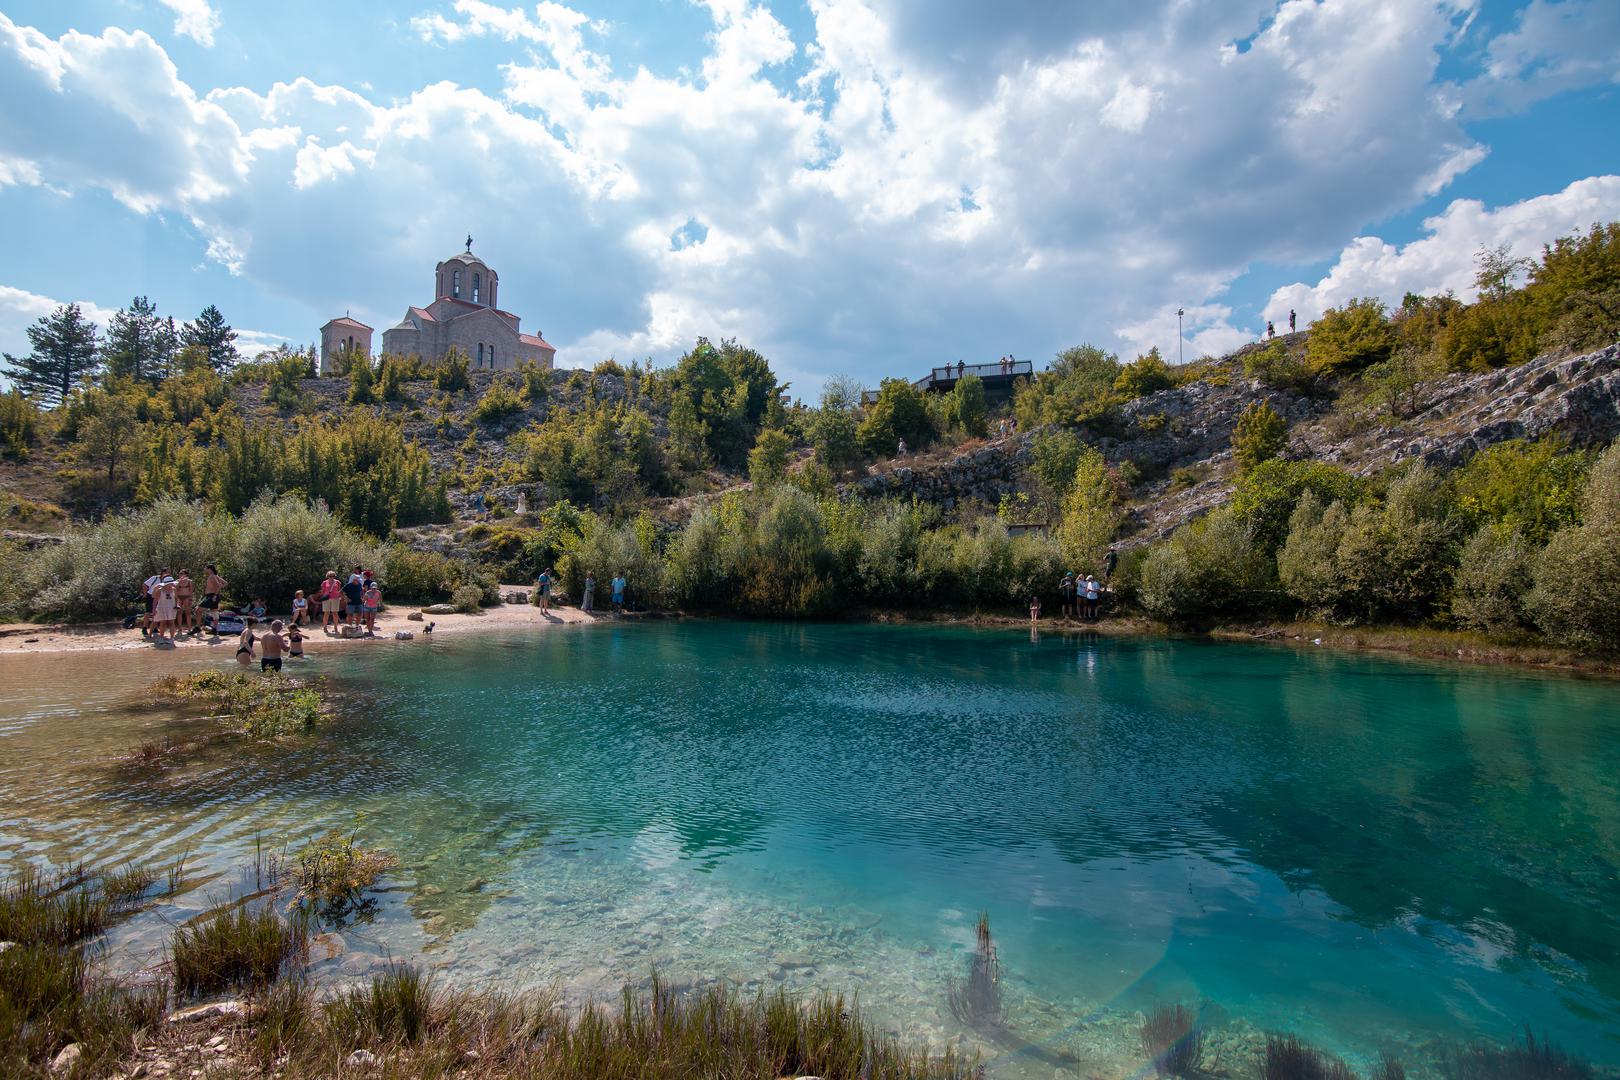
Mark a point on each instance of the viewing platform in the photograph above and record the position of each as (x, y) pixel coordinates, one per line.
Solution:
(998, 379)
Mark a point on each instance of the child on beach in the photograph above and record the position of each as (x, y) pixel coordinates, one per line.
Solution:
(300, 608)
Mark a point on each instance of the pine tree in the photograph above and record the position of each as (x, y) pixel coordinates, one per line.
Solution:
(139, 344)
(210, 331)
(64, 353)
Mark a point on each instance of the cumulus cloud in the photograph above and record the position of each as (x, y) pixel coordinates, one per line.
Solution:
(1444, 259)
(922, 187)
(194, 19)
(20, 309)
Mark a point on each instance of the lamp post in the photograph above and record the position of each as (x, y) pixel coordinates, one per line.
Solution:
(1179, 313)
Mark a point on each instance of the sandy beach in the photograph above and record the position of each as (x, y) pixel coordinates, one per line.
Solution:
(51, 638)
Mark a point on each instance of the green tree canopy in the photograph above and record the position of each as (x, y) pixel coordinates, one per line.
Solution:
(210, 332)
(140, 343)
(64, 353)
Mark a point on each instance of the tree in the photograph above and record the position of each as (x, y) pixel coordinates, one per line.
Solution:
(1144, 375)
(212, 333)
(1350, 338)
(140, 343)
(360, 380)
(108, 433)
(899, 413)
(768, 460)
(64, 352)
(965, 407)
(452, 376)
(1260, 436)
(1091, 514)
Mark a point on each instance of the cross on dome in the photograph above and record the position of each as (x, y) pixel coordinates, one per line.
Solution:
(469, 243)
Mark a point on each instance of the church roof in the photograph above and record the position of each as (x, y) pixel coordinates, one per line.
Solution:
(469, 258)
(421, 313)
(533, 339)
(344, 320)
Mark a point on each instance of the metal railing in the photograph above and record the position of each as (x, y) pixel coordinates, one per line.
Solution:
(950, 373)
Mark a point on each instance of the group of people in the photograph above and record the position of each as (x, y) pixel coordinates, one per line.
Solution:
(1271, 328)
(546, 582)
(172, 607)
(1081, 596)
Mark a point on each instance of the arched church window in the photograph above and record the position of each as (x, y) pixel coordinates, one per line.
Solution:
(492, 354)
(480, 354)
(476, 284)
(455, 283)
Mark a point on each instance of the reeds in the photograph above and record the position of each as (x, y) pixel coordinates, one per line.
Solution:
(1527, 1058)
(397, 1007)
(54, 910)
(243, 947)
(1289, 1058)
(976, 1001)
(1172, 1040)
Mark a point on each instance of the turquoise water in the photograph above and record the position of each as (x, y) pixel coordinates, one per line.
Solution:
(1372, 853)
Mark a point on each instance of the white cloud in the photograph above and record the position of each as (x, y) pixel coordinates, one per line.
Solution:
(933, 186)
(20, 309)
(1444, 260)
(1555, 46)
(194, 19)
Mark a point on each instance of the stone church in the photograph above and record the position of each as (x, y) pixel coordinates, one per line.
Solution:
(463, 314)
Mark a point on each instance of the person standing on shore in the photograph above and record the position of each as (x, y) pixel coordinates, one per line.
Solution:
(618, 591)
(185, 603)
(149, 598)
(1093, 592)
(542, 588)
(587, 600)
(213, 590)
(351, 597)
(1066, 594)
(164, 608)
(331, 597)
(370, 602)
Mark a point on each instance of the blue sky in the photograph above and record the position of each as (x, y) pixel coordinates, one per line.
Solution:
(861, 187)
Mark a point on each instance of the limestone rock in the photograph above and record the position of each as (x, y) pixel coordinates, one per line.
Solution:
(214, 1010)
(415, 616)
(65, 1058)
(439, 609)
(361, 1059)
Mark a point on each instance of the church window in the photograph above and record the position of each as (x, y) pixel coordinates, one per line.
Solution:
(455, 283)
(476, 283)
(492, 354)
(480, 354)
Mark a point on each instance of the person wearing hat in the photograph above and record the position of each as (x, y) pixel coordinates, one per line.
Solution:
(1066, 592)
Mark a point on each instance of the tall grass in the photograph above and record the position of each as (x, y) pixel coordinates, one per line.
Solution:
(244, 947)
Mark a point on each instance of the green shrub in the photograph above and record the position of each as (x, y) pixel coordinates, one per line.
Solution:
(1267, 494)
(1077, 388)
(899, 413)
(425, 577)
(1054, 457)
(1388, 561)
(1145, 375)
(283, 385)
(1573, 598)
(1210, 569)
(536, 383)
(19, 425)
(1277, 366)
(1494, 572)
(334, 873)
(1261, 435)
(467, 599)
(964, 408)
(499, 402)
(284, 544)
(98, 569)
(768, 460)
(606, 549)
(361, 378)
(1350, 338)
(1535, 487)
(453, 374)
(890, 566)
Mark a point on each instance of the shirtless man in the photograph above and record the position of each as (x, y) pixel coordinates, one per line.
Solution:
(213, 589)
(272, 646)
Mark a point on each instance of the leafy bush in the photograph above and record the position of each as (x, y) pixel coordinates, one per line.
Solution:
(1573, 598)
(283, 384)
(1278, 366)
(964, 408)
(891, 568)
(1261, 435)
(498, 402)
(768, 460)
(1535, 487)
(1494, 572)
(1350, 338)
(1210, 569)
(19, 425)
(1145, 375)
(453, 374)
(334, 873)
(361, 378)
(283, 544)
(1381, 561)
(606, 549)
(98, 569)
(536, 383)
(1267, 494)
(1054, 457)
(425, 577)
(1078, 388)
(467, 599)
(899, 413)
